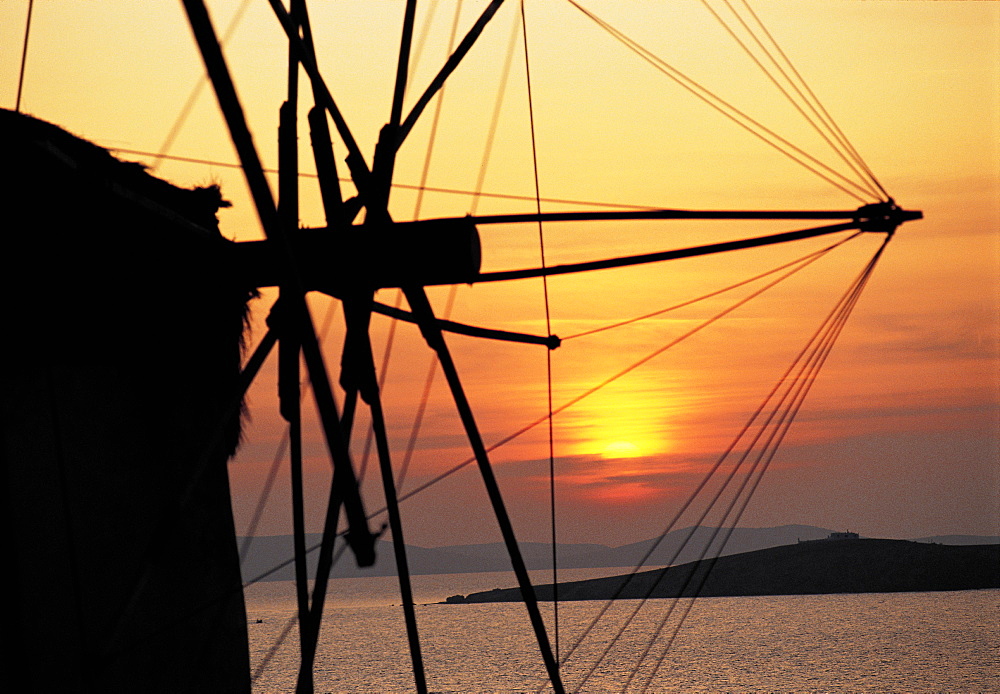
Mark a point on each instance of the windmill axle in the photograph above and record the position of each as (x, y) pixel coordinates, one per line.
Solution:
(367, 257)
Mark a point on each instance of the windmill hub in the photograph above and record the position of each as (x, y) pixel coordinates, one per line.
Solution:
(884, 216)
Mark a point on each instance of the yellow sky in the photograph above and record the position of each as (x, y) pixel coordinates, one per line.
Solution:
(913, 84)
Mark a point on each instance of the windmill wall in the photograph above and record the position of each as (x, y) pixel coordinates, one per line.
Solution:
(122, 331)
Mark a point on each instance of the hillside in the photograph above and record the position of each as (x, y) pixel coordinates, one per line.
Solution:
(841, 566)
(266, 553)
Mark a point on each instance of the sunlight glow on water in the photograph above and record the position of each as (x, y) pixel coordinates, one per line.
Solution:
(903, 642)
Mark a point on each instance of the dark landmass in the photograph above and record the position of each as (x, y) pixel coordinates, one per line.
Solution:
(266, 553)
(834, 566)
(961, 539)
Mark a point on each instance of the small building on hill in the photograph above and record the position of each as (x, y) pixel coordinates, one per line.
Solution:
(842, 536)
(835, 536)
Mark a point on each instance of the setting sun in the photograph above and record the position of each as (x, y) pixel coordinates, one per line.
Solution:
(621, 449)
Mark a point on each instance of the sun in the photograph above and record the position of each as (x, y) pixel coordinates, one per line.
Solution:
(621, 449)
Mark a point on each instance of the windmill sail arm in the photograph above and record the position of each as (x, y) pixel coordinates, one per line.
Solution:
(435, 86)
(632, 215)
(303, 51)
(628, 261)
(875, 212)
(550, 341)
(881, 217)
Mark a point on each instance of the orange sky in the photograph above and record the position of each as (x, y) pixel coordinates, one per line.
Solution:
(899, 437)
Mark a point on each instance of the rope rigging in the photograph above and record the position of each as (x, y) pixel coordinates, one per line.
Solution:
(689, 302)
(401, 186)
(678, 514)
(776, 424)
(810, 109)
(751, 125)
(822, 112)
(24, 55)
(823, 343)
(548, 330)
(192, 99)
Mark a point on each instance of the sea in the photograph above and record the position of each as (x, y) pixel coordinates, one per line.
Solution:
(913, 643)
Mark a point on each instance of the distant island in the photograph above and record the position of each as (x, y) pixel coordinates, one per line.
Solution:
(268, 558)
(679, 546)
(835, 566)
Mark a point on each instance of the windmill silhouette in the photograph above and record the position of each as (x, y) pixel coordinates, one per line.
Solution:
(350, 260)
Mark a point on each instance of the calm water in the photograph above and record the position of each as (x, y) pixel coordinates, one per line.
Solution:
(902, 642)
